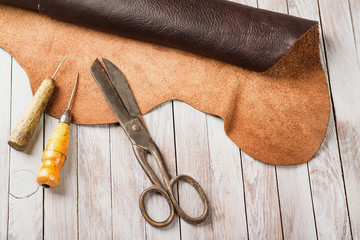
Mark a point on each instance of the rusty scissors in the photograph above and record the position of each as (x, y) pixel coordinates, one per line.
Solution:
(118, 94)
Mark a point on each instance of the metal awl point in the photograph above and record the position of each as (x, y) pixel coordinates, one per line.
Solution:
(59, 66)
(72, 94)
(66, 116)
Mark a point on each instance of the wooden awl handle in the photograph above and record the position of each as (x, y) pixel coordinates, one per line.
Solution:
(25, 128)
(54, 156)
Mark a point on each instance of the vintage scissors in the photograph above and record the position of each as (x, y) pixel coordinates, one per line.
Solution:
(118, 94)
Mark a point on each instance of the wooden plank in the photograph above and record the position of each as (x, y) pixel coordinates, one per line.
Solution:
(5, 97)
(193, 159)
(127, 185)
(161, 128)
(328, 191)
(228, 215)
(252, 3)
(262, 203)
(354, 176)
(94, 182)
(273, 5)
(60, 203)
(293, 182)
(344, 75)
(26, 200)
(295, 202)
(355, 17)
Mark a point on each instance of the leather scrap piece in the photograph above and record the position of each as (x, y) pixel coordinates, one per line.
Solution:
(265, 113)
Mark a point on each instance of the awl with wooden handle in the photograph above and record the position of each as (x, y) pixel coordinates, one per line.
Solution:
(56, 149)
(25, 128)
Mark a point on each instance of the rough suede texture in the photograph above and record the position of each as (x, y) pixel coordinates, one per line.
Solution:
(279, 116)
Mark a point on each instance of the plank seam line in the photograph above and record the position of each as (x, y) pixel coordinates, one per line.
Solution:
(211, 172)
(43, 191)
(144, 186)
(9, 157)
(176, 162)
(335, 119)
(279, 201)
(353, 30)
(343, 178)
(287, 7)
(111, 185)
(43, 214)
(312, 200)
(77, 183)
(243, 183)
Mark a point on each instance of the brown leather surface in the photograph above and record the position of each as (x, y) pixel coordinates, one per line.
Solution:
(248, 37)
(278, 116)
(28, 4)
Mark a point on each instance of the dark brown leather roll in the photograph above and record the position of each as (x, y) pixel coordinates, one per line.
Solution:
(252, 38)
(28, 4)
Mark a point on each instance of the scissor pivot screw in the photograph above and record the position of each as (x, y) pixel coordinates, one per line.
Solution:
(135, 127)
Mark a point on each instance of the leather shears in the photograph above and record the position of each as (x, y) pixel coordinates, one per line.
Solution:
(118, 94)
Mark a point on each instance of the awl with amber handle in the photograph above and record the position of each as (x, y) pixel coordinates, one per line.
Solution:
(25, 128)
(56, 149)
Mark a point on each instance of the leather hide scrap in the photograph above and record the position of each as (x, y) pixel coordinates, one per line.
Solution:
(278, 116)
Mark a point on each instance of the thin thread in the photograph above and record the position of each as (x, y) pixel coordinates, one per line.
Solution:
(29, 195)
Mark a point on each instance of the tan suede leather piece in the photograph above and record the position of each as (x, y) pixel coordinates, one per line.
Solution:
(279, 116)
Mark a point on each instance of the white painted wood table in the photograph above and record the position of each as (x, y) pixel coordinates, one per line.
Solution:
(101, 180)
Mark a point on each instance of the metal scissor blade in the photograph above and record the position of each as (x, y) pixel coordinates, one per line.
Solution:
(109, 92)
(122, 87)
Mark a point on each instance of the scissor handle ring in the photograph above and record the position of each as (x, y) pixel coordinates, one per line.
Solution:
(200, 191)
(163, 192)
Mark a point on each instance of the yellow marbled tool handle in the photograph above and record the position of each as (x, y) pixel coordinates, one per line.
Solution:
(54, 157)
(23, 131)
